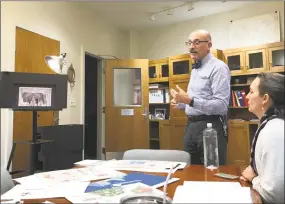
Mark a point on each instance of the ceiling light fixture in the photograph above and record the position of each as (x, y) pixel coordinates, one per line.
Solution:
(170, 11)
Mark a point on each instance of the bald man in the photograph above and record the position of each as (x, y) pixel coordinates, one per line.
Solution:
(206, 99)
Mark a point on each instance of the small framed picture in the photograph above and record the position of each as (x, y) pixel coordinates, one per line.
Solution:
(159, 113)
(34, 96)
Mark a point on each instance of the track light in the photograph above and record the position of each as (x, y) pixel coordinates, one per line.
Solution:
(190, 7)
(170, 12)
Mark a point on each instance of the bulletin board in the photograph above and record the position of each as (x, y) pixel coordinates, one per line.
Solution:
(255, 30)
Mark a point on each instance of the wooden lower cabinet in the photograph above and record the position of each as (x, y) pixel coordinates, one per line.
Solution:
(238, 151)
(171, 134)
(165, 134)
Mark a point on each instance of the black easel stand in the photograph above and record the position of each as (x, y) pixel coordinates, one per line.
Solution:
(33, 150)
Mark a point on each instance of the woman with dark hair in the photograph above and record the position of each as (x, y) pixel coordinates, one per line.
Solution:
(266, 169)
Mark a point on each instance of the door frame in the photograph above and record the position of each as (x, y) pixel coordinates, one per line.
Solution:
(100, 101)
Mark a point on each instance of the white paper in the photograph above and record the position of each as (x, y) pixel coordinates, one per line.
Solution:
(78, 174)
(212, 192)
(31, 182)
(114, 195)
(89, 162)
(144, 165)
(58, 190)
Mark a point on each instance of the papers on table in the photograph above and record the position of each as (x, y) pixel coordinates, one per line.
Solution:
(134, 177)
(89, 162)
(58, 183)
(57, 190)
(212, 192)
(114, 194)
(137, 165)
(78, 174)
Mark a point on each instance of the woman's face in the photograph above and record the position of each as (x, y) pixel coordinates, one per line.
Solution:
(255, 101)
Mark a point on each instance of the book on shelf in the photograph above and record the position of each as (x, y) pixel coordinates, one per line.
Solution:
(238, 98)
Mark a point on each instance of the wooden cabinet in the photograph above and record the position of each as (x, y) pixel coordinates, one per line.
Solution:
(238, 151)
(158, 70)
(218, 54)
(177, 114)
(255, 59)
(165, 134)
(235, 61)
(180, 67)
(177, 134)
(276, 57)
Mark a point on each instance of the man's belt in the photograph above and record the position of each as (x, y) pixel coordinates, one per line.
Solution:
(196, 118)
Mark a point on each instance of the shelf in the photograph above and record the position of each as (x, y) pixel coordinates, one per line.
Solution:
(156, 120)
(154, 139)
(236, 85)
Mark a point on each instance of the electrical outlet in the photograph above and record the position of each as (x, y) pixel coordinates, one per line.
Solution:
(72, 103)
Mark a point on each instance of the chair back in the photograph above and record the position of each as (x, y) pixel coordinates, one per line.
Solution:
(157, 154)
(6, 181)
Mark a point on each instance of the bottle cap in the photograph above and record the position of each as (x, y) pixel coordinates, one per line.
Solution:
(209, 125)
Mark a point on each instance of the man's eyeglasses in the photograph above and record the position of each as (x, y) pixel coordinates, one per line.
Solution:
(195, 42)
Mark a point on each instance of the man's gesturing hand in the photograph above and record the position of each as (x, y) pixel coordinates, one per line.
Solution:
(179, 96)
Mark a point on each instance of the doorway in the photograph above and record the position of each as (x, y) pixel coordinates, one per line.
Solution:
(92, 104)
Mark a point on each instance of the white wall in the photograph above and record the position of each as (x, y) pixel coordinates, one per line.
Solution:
(170, 40)
(77, 28)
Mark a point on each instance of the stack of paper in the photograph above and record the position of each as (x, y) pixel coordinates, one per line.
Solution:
(51, 191)
(212, 192)
(78, 174)
(137, 165)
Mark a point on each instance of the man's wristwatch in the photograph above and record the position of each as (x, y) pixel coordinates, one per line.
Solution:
(191, 103)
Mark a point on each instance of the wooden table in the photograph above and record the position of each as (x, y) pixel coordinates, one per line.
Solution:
(190, 173)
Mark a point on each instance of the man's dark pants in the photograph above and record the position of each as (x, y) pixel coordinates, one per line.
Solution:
(193, 140)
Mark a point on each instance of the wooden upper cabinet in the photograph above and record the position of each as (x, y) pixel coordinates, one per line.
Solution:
(158, 70)
(180, 67)
(276, 56)
(255, 59)
(235, 61)
(218, 54)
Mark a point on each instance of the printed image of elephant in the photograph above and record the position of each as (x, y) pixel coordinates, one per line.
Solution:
(34, 98)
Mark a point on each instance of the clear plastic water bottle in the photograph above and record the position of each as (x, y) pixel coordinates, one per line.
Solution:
(210, 143)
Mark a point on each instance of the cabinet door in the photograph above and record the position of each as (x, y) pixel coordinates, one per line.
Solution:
(177, 134)
(238, 143)
(177, 114)
(153, 73)
(235, 62)
(276, 59)
(163, 72)
(165, 134)
(180, 67)
(256, 60)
